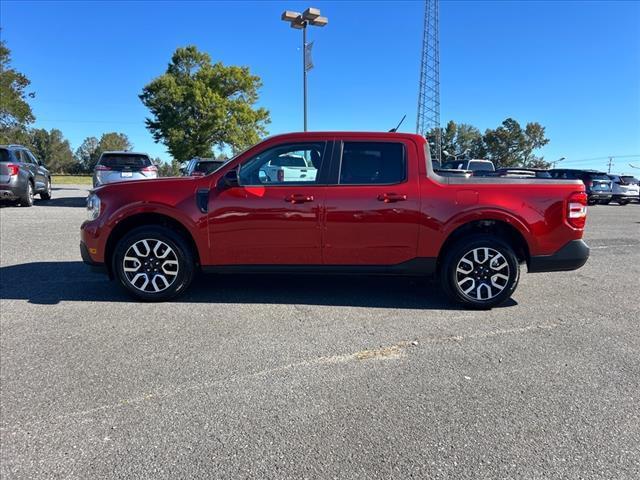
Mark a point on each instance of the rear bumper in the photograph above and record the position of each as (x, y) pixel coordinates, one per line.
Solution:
(570, 257)
(12, 190)
(599, 196)
(86, 258)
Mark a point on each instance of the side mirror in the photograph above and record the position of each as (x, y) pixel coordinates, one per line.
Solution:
(231, 179)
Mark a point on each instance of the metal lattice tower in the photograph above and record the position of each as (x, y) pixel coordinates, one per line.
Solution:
(429, 92)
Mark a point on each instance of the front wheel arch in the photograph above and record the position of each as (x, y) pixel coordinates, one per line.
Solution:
(146, 219)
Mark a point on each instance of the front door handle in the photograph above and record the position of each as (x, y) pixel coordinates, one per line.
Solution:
(392, 197)
(299, 198)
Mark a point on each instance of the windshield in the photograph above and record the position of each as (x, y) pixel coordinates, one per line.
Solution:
(481, 166)
(207, 167)
(454, 165)
(288, 161)
(114, 160)
(599, 176)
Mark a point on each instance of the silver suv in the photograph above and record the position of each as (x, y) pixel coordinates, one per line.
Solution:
(123, 166)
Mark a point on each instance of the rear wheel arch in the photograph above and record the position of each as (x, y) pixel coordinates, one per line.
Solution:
(141, 220)
(499, 228)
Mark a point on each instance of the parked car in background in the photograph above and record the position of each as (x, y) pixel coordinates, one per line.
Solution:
(598, 185)
(199, 167)
(291, 166)
(375, 206)
(474, 165)
(22, 176)
(625, 189)
(123, 166)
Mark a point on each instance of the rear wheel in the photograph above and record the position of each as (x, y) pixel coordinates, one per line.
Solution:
(153, 263)
(480, 271)
(27, 198)
(623, 202)
(46, 193)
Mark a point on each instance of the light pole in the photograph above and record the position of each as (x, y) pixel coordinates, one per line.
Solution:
(455, 155)
(300, 21)
(553, 164)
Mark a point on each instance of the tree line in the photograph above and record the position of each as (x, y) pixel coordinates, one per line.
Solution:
(204, 109)
(508, 145)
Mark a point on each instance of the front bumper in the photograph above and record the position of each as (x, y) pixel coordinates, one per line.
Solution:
(86, 258)
(570, 257)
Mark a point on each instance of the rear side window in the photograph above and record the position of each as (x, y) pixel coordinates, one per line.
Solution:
(629, 180)
(372, 163)
(4, 155)
(124, 160)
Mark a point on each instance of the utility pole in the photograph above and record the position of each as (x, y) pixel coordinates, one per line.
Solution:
(610, 164)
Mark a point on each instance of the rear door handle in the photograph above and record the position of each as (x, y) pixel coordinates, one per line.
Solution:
(392, 197)
(299, 198)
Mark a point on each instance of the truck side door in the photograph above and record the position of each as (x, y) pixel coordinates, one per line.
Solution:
(266, 221)
(372, 207)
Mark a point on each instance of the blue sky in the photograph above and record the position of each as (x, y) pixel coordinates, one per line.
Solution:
(572, 66)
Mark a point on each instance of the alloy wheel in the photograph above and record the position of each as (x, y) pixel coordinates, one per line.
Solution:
(150, 265)
(482, 274)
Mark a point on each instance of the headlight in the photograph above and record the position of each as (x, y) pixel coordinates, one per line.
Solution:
(93, 206)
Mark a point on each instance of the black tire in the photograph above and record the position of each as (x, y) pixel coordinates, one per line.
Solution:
(591, 202)
(46, 193)
(27, 198)
(604, 202)
(182, 254)
(622, 203)
(451, 279)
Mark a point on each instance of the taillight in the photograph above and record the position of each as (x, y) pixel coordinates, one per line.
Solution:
(13, 169)
(281, 175)
(102, 168)
(150, 168)
(577, 209)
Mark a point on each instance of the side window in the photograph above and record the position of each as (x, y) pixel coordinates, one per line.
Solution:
(284, 164)
(24, 157)
(372, 163)
(32, 157)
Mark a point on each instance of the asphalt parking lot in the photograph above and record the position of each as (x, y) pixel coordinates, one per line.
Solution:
(321, 377)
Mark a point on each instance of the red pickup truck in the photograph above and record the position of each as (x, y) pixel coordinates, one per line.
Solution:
(374, 205)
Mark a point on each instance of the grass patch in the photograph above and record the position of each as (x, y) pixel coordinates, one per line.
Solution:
(70, 180)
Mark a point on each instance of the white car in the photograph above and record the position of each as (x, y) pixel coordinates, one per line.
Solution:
(288, 168)
(473, 165)
(625, 189)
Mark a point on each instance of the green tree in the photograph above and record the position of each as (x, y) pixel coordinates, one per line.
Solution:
(510, 145)
(15, 112)
(196, 105)
(87, 154)
(459, 138)
(52, 149)
(168, 169)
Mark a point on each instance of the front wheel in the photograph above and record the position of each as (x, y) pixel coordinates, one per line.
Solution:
(153, 263)
(623, 202)
(480, 271)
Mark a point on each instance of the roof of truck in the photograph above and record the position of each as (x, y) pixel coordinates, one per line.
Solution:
(390, 135)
